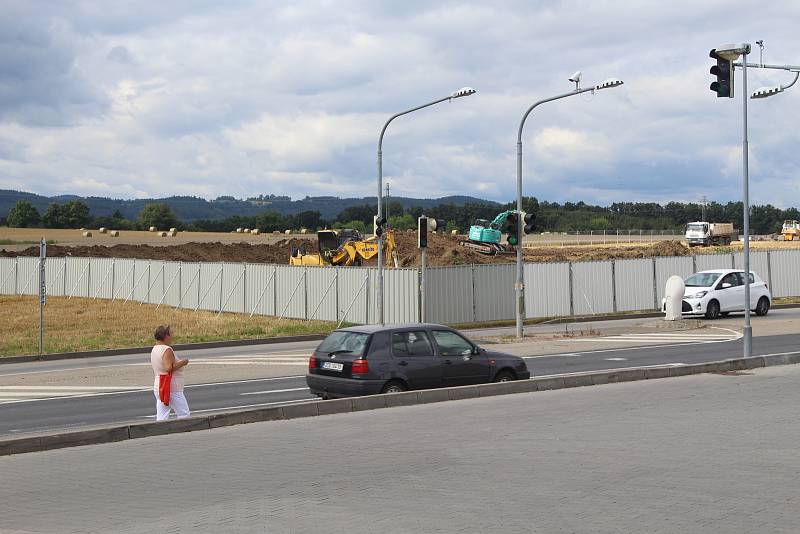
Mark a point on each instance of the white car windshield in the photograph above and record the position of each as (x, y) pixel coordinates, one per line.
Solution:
(696, 227)
(702, 279)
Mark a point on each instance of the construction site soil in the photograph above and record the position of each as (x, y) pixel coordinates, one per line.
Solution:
(443, 250)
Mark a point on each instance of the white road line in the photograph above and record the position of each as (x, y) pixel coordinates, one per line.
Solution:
(267, 392)
(70, 388)
(616, 359)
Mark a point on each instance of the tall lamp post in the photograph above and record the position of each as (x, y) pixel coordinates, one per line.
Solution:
(519, 286)
(464, 91)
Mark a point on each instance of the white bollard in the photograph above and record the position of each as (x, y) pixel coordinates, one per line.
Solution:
(673, 293)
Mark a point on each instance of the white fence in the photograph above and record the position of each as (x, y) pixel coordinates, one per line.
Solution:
(463, 294)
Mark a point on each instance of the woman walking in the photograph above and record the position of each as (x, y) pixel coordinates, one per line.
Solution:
(163, 360)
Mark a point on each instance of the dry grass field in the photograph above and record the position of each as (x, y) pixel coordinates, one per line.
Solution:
(86, 324)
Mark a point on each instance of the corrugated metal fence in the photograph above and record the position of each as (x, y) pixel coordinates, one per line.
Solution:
(463, 294)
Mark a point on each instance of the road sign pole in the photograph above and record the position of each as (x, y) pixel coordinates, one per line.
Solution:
(42, 291)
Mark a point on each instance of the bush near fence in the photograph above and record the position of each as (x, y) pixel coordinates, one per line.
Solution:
(462, 294)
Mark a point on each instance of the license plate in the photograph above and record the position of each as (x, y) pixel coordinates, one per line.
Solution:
(332, 366)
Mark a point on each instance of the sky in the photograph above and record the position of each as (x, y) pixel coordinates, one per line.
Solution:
(150, 99)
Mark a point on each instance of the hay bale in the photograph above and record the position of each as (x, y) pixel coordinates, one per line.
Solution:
(153, 229)
(276, 232)
(304, 230)
(103, 230)
(172, 233)
(255, 231)
(114, 233)
(87, 234)
(288, 232)
(239, 230)
(162, 234)
(173, 230)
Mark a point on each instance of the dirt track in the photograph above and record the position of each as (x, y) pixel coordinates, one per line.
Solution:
(443, 250)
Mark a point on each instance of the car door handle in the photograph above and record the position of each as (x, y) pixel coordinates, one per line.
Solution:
(403, 363)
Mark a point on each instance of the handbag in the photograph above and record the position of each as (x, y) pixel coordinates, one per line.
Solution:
(164, 382)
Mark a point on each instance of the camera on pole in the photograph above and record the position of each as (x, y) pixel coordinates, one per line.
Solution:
(723, 70)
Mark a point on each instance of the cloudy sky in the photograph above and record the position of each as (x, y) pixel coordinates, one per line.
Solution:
(148, 99)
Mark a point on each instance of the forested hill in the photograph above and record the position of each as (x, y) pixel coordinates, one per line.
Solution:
(193, 208)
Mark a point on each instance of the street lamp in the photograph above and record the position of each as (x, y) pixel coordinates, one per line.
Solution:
(519, 286)
(766, 92)
(731, 52)
(464, 91)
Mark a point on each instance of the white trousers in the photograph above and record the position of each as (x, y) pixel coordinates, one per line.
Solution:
(177, 403)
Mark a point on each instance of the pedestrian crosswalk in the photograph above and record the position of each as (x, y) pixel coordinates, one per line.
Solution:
(31, 393)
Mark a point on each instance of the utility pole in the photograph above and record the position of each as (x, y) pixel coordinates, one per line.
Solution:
(703, 208)
(388, 225)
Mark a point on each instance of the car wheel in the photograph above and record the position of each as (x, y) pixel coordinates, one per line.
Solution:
(712, 310)
(394, 387)
(504, 376)
(762, 308)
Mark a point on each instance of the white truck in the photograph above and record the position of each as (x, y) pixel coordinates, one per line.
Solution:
(705, 234)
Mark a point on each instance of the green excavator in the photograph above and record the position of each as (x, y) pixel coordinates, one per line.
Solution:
(486, 237)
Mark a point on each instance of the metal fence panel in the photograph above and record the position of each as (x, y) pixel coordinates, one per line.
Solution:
(28, 276)
(290, 284)
(449, 295)
(546, 290)
(172, 284)
(210, 285)
(494, 292)
(141, 281)
(401, 290)
(123, 278)
(260, 296)
(190, 286)
(77, 280)
(592, 290)
(785, 279)
(322, 293)
(54, 275)
(633, 280)
(355, 288)
(8, 276)
(758, 263)
(666, 267)
(157, 284)
(100, 273)
(233, 287)
(708, 262)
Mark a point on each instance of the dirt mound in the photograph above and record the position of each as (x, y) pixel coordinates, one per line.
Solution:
(443, 250)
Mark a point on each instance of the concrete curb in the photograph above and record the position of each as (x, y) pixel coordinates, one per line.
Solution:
(374, 402)
(140, 350)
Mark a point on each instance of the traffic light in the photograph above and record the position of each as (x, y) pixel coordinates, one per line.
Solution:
(425, 225)
(723, 70)
(528, 223)
(378, 223)
(512, 228)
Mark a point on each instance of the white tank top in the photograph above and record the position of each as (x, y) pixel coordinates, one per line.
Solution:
(157, 362)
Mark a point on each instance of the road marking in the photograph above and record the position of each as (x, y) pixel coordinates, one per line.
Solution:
(268, 391)
(616, 359)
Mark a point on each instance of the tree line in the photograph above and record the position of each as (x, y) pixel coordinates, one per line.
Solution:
(548, 216)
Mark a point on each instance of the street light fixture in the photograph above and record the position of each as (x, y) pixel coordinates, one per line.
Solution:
(519, 286)
(766, 92)
(464, 91)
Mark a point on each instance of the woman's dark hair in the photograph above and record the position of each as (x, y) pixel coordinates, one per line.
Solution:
(162, 332)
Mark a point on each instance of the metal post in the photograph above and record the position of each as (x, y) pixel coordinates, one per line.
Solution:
(423, 316)
(748, 330)
(42, 291)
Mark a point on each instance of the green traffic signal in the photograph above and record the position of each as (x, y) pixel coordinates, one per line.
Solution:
(723, 70)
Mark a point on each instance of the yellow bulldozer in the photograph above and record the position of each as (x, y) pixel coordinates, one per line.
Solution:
(790, 230)
(343, 248)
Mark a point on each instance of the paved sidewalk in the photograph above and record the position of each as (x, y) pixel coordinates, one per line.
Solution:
(707, 453)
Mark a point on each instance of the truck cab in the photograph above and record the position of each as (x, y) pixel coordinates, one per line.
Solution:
(702, 233)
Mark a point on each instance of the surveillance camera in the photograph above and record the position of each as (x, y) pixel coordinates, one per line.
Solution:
(575, 77)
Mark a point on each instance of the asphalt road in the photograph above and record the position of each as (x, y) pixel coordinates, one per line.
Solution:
(49, 414)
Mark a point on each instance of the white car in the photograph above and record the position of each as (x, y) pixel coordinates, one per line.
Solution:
(719, 292)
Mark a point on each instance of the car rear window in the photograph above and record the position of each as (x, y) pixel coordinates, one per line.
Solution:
(345, 342)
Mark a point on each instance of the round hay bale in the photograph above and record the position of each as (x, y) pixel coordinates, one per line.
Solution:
(173, 230)
(288, 232)
(153, 229)
(103, 230)
(239, 230)
(304, 230)
(172, 233)
(114, 233)
(246, 230)
(255, 231)
(162, 234)
(87, 234)
(276, 232)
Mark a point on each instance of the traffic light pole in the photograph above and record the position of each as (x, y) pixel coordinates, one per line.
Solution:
(748, 330)
(519, 286)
